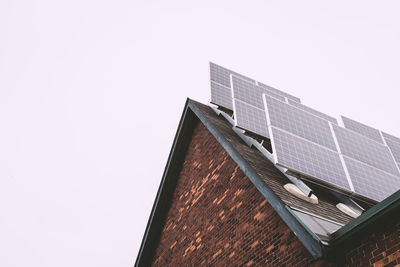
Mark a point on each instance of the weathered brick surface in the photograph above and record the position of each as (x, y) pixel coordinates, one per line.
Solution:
(218, 217)
(381, 248)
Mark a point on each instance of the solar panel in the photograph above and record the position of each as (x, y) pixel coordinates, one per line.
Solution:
(312, 111)
(279, 92)
(371, 182)
(308, 142)
(395, 149)
(250, 118)
(391, 137)
(300, 123)
(251, 93)
(221, 95)
(308, 158)
(363, 129)
(221, 75)
(363, 149)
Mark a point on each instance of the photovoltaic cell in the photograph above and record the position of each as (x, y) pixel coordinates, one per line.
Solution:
(391, 137)
(363, 129)
(221, 95)
(395, 148)
(308, 158)
(221, 75)
(279, 92)
(363, 149)
(371, 182)
(250, 118)
(300, 123)
(312, 111)
(251, 93)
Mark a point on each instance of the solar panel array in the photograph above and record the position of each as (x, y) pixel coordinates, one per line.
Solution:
(395, 149)
(221, 95)
(390, 137)
(313, 111)
(251, 93)
(370, 181)
(222, 75)
(250, 118)
(363, 149)
(357, 158)
(362, 129)
(279, 92)
(300, 123)
(309, 158)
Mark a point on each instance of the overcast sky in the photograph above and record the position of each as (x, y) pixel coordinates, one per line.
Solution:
(91, 93)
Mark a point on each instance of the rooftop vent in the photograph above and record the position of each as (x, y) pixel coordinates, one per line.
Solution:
(347, 210)
(294, 190)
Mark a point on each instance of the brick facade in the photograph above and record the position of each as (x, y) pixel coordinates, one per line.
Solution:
(380, 248)
(218, 217)
(208, 213)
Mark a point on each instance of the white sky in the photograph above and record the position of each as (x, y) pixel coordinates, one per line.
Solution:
(91, 93)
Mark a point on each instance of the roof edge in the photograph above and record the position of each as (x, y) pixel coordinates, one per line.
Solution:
(151, 234)
(310, 240)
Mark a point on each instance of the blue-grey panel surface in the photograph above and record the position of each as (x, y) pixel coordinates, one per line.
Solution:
(300, 123)
(362, 129)
(361, 148)
(308, 158)
(312, 111)
(250, 93)
(279, 92)
(250, 118)
(371, 182)
(221, 95)
(221, 75)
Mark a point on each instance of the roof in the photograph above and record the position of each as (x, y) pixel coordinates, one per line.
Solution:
(268, 179)
(269, 173)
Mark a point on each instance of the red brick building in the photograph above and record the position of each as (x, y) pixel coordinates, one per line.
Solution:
(222, 203)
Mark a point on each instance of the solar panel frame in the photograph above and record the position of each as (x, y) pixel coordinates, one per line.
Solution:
(371, 182)
(250, 118)
(361, 148)
(362, 129)
(221, 75)
(250, 93)
(279, 92)
(312, 111)
(309, 159)
(221, 95)
(300, 123)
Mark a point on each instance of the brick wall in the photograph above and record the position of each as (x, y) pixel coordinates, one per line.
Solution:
(218, 217)
(380, 248)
